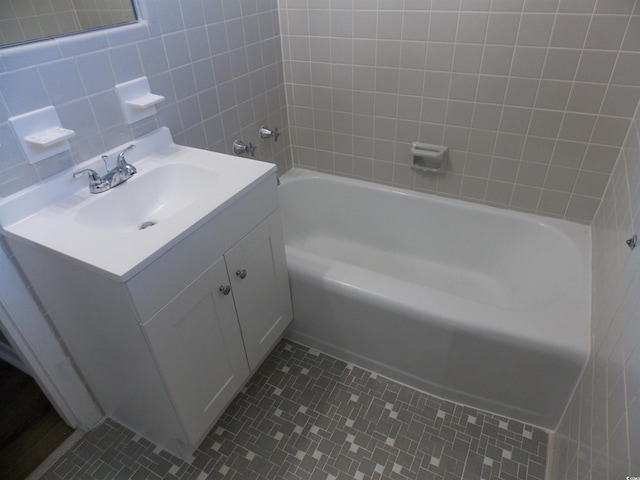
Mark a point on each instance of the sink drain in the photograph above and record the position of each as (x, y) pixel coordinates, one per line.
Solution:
(147, 225)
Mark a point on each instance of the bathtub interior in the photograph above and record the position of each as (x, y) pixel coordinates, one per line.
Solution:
(468, 251)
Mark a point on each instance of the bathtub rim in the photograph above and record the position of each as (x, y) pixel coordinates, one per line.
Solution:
(570, 229)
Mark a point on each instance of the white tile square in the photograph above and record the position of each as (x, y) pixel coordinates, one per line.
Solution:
(496, 59)
(389, 24)
(442, 27)
(595, 66)
(491, 89)
(561, 63)
(606, 32)
(440, 56)
(553, 95)
(467, 58)
(415, 25)
(502, 28)
(535, 29)
(528, 61)
(570, 31)
(463, 86)
(472, 27)
(521, 91)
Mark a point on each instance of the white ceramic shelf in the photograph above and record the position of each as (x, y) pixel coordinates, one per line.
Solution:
(41, 134)
(49, 137)
(136, 100)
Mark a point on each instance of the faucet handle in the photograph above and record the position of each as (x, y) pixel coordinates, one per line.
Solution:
(96, 183)
(239, 147)
(94, 177)
(104, 159)
(265, 132)
(121, 159)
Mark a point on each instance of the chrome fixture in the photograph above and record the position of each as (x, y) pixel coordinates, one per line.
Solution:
(96, 183)
(240, 148)
(126, 167)
(633, 242)
(122, 172)
(265, 132)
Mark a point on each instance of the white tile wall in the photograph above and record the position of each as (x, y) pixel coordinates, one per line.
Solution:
(599, 436)
(533, 97)
(219, 65)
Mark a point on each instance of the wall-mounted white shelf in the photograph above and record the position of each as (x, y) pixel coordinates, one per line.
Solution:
(41, 134)
(145, 101)
(49, 137)
(136, 100)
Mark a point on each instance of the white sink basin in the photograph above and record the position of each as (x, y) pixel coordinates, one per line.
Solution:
(120, 231)
(146, 200)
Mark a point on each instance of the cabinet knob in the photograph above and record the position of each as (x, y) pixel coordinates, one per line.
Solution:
(225, 289)
(241, 273)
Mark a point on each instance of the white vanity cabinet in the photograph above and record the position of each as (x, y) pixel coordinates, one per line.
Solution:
(165, 348)
(197, 345)
(208, 339)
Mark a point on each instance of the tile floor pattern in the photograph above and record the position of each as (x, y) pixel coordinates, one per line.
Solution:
(306, 415)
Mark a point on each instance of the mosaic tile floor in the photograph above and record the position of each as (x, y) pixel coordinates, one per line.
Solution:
(305, 415)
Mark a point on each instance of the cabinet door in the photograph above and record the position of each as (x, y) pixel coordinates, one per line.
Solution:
(197, 345)
(260, 281)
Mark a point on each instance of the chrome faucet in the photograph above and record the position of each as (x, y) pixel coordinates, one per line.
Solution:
(122, 172)
(240, 148)
(265, 132)
(96, 183)
(124, 166)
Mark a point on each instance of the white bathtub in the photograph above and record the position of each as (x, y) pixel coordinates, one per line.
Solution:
(478, 305)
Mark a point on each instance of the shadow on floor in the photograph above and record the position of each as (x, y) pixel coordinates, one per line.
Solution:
(30, 429)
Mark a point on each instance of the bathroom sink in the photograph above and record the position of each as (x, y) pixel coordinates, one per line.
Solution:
(120, 231)
(146, 200)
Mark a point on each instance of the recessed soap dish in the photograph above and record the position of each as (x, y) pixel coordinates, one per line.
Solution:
(429, 158)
